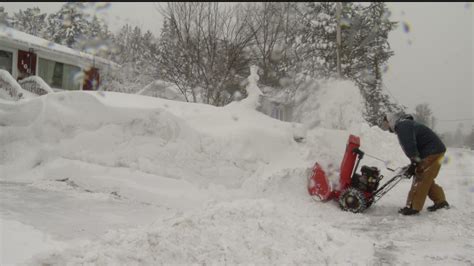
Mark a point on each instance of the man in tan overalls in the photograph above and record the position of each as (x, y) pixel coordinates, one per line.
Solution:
(426, 151)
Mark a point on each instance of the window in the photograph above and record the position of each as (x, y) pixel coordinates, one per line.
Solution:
(277, 112)
(6, 61)
(59, 75)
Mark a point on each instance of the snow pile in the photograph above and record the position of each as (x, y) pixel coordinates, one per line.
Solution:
(36, 85)
(10, 89)
(77, 126)
(19, 240)
(288, 229)
(183, 183)
(332, 104)
(236, 130)
(214, 237)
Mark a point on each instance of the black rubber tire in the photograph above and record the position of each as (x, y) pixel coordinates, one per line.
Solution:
(352, 200)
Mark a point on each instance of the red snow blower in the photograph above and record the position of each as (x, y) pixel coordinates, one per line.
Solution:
(355, 192)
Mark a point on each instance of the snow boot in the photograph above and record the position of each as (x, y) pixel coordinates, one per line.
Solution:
(434, 207)
(408, 211)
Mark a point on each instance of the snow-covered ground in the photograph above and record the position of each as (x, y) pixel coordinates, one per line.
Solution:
(116, 179)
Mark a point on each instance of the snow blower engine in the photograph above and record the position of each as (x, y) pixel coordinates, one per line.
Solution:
(355, 192)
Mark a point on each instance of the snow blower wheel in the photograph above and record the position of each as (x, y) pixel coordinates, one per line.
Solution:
(352, 200)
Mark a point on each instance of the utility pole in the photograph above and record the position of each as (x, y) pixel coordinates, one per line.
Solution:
(338, 37)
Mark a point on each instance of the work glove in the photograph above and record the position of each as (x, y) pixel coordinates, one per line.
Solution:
(410, 169)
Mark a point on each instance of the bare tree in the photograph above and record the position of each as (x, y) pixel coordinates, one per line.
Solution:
(423, 114)
(272, 25)
(208, 42)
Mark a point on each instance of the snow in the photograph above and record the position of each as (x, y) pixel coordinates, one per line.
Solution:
(329, 103)
(7, 83)
(162, 89)
(20, 240)
(39, 82)
(106, 178)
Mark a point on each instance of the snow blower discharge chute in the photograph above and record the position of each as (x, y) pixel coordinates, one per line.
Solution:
(355, 192)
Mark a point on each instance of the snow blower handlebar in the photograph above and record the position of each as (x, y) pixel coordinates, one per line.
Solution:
(388, 186)
(361, 154)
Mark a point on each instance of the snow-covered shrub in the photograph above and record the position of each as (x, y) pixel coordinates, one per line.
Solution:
(162, 89)
(10, 89)
(126, 79)
(36, 85)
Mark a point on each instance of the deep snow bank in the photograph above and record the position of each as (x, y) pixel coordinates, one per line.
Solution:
(10, 89)
(233, 179)
(76, 125)
(240, 232)
(290, 230)
(195, 142)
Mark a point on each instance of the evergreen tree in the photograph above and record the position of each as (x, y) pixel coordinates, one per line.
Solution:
(4, 18)
(375, 30)
(97, 39)
(121, 41)
(150, 54)
(31, 21)
(364, 48)
(96, 28)
(318, 38)
(172, 60)
(69, 25)
(52, 30)
(136, 46)
(135, 52)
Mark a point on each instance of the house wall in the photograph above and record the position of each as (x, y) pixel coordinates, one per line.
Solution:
(59, 59)
(266, 106)
(13, 50)
(84, 64)
(276, 110)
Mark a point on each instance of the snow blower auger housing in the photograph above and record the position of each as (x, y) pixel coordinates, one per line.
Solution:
(355, 192)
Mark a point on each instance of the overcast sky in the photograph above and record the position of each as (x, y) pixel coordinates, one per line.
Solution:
(433, 61)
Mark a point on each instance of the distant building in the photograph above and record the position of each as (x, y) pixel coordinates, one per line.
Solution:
(61, 67)
(277, 103)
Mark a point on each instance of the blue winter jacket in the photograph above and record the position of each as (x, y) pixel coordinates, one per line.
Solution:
(418, 140)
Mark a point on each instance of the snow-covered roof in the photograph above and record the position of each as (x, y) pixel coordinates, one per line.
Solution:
(13, 36)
